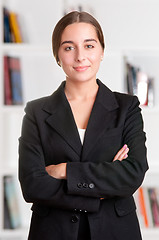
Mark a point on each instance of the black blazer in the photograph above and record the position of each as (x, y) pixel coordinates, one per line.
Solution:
(50, 136)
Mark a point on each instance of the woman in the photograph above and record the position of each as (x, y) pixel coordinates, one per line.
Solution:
(82, 150)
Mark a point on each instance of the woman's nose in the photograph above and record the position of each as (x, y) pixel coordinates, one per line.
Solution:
(80, 55)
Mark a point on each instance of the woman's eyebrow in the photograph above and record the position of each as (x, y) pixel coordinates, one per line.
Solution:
(66, 42)
(90, 40)
(86, 40)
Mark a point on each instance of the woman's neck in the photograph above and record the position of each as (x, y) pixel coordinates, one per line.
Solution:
(80, 90)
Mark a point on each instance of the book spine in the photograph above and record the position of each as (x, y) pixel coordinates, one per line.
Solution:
(142, 204)
(151, 92)
(140, 84)
(11, 201)
(15, 27)
(16, 81)
(154, 206)
(6, 27)
(7, 83)
(142, 88)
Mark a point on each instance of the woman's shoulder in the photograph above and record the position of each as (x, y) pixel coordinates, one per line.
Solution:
(126, 98)
(127, 102)
(119, 99)
(37, 103)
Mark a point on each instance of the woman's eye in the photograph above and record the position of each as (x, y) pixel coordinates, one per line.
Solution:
(69, 48)
(89, 46)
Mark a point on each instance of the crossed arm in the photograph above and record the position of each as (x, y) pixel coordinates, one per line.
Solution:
(59, 171)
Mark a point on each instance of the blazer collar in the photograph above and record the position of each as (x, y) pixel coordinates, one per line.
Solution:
(62, 120)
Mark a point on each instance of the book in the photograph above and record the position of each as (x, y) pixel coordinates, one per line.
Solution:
(144, 212)
(13, 19)
(16, 80)
(139, 83)
(131, 76)
(7, 222)
(151, 92)
(143, 207)
(6, 28)
(11, 27)
(7, 83)
(154, 206)
(13, 94)
(147, 202)
(11, 209)
(142, 88)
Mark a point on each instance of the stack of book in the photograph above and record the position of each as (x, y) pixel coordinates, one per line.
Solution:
(12, 81)
(12, 218)
(147, 201)
(12, 31)
(140, 84)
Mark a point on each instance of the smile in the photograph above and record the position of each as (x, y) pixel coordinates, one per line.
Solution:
(81, 68)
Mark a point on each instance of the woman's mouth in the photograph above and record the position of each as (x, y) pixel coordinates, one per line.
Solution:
(81, 68)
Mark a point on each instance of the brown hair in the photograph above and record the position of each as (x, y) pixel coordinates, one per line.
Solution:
(68, 19)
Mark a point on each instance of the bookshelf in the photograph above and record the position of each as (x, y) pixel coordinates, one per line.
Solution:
(41, 76)
(34, 52)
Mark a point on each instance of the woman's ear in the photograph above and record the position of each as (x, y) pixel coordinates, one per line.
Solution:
(58, 62)
(102, 56)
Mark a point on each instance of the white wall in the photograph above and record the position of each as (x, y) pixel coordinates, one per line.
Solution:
(128, 22)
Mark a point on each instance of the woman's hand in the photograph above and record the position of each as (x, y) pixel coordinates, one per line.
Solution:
(122, 153)
(57, 171)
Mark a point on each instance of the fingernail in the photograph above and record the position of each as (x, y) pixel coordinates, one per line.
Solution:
(125, 146)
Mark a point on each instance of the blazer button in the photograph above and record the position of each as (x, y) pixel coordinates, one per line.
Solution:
(80, 185)
(74, 218)
(91, 185)
(85, 185)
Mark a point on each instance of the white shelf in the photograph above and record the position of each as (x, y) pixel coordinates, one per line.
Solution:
(152, 176)
(8, 171)
(149, 110)
(15, 234)
(12, 108)
(150, 233)
(26, 49)
(141, 51)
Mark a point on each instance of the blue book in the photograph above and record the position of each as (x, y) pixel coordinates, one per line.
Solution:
(16, 81)
(11, 201)
(6, 26)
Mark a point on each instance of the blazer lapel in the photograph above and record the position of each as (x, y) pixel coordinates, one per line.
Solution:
(101, 117)
(61, 118)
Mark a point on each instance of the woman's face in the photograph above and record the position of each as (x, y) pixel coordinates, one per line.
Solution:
(80, 52)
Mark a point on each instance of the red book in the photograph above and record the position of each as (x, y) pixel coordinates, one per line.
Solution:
(16, 81)
(7, 83)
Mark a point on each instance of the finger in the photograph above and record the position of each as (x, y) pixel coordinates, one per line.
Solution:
(120, 152)
(124, 154)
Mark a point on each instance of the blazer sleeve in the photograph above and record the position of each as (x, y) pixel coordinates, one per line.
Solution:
(118, 178)
(37, 186)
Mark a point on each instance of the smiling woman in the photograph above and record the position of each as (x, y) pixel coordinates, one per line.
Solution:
(82, 151)
(74, 17)
(80, 52)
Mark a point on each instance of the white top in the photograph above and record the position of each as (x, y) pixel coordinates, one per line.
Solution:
(81, 134)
